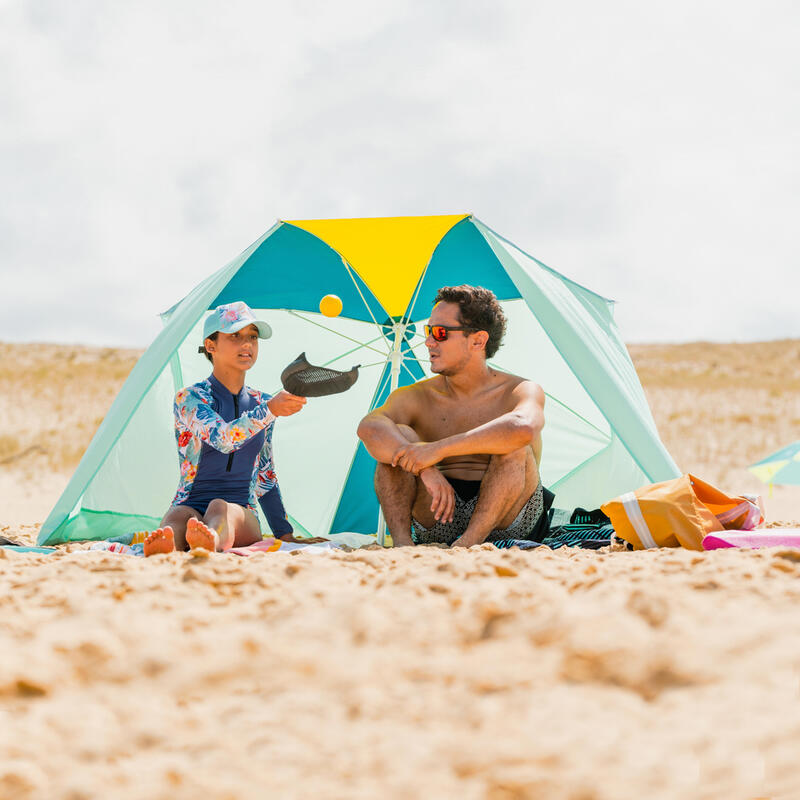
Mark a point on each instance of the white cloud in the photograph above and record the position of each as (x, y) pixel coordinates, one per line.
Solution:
(647, 151)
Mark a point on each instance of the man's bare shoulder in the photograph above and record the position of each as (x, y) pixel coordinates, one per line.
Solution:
(518, 389)
(419, 390)
(433, 384)
(512, 381)
(405, 404)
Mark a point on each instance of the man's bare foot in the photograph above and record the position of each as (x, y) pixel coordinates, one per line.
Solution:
(161, 540)
(198, 534)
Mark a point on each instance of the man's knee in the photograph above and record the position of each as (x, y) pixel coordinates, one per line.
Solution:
(510, 471)
(387, 476)
(515, 457)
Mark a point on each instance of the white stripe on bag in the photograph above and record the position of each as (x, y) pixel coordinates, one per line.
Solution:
(631, 505)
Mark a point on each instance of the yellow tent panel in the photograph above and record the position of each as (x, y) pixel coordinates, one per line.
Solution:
(389, 253)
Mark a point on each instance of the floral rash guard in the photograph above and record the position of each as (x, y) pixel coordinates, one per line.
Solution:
(224, 445)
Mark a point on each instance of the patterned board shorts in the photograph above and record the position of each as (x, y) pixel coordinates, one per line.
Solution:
(447, 533)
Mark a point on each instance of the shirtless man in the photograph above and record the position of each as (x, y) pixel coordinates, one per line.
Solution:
(458, 454)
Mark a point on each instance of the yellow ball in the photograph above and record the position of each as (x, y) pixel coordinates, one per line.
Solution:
(330, 305)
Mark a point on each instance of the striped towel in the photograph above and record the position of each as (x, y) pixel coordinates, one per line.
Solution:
(587, 536)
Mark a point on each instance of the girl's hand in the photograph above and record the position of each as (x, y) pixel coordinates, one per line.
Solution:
(285, 404)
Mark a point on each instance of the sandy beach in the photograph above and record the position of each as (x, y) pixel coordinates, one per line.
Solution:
(485, 674)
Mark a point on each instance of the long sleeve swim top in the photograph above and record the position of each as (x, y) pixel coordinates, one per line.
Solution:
(224, 443)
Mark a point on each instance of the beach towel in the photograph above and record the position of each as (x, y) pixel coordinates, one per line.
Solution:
(680, 513)
(775, 537)
(587, 536)
(264, 546)
(136, 549)
(277, 546)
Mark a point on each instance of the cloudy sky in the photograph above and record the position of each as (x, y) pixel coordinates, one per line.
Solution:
(646, 150)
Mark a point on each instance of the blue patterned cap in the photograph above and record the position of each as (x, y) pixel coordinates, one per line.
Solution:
(233, 317)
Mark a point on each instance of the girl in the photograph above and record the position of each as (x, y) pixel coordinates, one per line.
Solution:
(224, 434)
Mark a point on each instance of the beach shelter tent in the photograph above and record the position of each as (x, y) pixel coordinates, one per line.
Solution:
(599, 441)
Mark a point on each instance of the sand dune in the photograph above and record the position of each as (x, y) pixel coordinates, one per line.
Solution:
(53, 399)
(720, 407)
(422, 672)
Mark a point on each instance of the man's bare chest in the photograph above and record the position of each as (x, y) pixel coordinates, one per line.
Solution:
(440, 418)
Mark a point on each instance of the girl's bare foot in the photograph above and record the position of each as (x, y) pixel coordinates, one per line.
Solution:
(161, 540)
(198, 534)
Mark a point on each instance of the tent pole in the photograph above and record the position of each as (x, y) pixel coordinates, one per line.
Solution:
(396, 358)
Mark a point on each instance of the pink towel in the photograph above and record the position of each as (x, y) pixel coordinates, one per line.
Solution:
(274, 545)
(772, 537)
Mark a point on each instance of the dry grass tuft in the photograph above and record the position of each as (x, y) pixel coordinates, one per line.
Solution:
(9, 447)
(54, 398)
(771, 366)
(720, 407)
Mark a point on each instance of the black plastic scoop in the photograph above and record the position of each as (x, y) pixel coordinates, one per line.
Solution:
(306, 380)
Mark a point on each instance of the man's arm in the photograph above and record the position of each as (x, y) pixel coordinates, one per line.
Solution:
(379, 431)
(383, 438)
(510, 431)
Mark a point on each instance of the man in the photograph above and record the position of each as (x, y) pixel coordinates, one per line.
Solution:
(458, 454)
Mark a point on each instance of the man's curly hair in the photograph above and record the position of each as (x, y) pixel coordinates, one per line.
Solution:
(479, 309)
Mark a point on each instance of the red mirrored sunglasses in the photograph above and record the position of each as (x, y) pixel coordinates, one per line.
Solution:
(439, 332)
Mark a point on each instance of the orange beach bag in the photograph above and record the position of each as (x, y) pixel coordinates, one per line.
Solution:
(679, 513)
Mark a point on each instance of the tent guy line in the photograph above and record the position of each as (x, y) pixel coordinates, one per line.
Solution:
(350, 352)
(386, 356)
(338, 333)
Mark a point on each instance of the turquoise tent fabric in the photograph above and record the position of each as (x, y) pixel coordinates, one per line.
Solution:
(600, 438)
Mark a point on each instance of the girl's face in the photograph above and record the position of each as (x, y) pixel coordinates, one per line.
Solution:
(235, 350)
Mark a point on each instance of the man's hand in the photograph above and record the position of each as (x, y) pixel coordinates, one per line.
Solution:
(284, 404)
(440, 489)
(416, 456)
